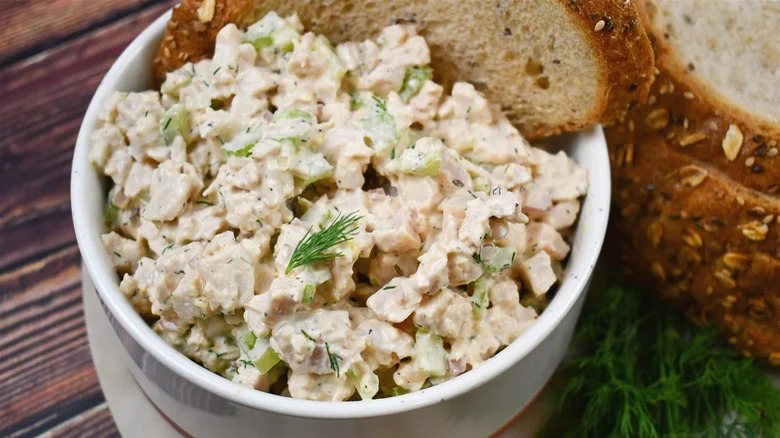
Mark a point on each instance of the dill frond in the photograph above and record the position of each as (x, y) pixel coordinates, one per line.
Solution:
(645, 371)
(311, 248)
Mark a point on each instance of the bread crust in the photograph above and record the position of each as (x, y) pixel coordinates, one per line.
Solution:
(699, 215)
(625, 56)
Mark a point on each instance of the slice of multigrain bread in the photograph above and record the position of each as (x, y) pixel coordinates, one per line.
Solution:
(696, 171)
(552, 65)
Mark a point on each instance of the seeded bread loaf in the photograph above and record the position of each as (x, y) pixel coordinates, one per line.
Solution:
(696, 171)
(553, 65)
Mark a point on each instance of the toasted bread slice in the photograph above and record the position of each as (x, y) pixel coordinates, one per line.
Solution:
(552, 65)
(696, 171)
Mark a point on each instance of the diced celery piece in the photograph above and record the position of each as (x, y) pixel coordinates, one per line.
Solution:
(292, 125)
(355, 101)
(479, 298)
(242, 144)
(414, 79)
(174, 83)
(396, 390)
(249, 340)
(496, 259)
(112, 211)
(364, 380)
(420, 163)
(175, 123)
(261, 42)
(272, 30)
(308, 293)
(430, 353)
(294, 114)
(311, 167)
(379, 126)
(481, 184)
(284, 38)
(259, 351)
(267, 360)
(323, 47)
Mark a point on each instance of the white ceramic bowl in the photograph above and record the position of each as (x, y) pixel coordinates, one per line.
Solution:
(475, 404)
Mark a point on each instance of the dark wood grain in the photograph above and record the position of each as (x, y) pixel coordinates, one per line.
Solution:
(95, 423)
(47, 380)
(28, 26)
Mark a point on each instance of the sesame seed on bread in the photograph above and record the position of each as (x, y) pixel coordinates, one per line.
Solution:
(696, 171)
(552, 65)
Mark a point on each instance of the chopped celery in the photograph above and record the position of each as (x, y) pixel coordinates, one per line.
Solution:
(420, 163)
(259, 351)
(272, 30)
(379, 126)
(261, 41)
(479, 298)
(311, 167)
(174, 83)
(308, 293)
(292, 125)
(242, 144)
(267, 360)
(396, 390)
(284, 38)
(481, 184)
(431, 355)
(355, 101)
(323, 47)
(364, 380)
(112, 211)
(414, 79)
(175, 123)
(496, 258)
(249, 340)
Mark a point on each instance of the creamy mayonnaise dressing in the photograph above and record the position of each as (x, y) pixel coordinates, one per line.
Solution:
(217, 177)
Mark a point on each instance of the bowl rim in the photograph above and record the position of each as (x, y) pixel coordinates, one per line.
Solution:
(579, 269)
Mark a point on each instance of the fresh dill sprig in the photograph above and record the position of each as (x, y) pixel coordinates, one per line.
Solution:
(644, 371)
(311, 248)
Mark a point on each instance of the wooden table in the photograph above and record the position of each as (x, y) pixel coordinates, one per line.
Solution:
(53, 54)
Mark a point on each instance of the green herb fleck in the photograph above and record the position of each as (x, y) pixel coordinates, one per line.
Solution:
(311, 248)
(308, 336)
(117, 254)
(388, 287)
(334, 364)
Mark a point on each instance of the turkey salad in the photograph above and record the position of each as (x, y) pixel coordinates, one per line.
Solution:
(326, 222)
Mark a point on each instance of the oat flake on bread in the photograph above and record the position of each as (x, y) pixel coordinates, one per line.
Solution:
(699, 189)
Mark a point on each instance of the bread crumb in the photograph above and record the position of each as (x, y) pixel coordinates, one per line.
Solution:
(688, 95)
(732, 142)
(600, 25)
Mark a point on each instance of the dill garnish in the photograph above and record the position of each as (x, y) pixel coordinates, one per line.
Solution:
(334, 363)
(311, 248)
(645, 371)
